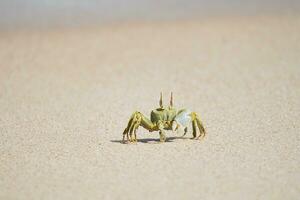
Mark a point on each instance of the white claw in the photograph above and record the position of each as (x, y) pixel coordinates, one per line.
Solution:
(174, 126)
(182, 120)
(183, 117)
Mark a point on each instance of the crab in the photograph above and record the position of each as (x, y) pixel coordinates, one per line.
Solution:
(164, 118)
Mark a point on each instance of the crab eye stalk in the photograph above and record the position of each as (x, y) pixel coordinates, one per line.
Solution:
(161, 101)
(171, 100)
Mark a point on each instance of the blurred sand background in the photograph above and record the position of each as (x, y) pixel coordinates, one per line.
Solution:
(67, 90)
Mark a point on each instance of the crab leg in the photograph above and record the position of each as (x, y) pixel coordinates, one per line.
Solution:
(162, 136)
(196, 121)
(194, 129)
(137, 119)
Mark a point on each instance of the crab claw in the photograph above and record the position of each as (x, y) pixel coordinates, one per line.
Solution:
(174, 126)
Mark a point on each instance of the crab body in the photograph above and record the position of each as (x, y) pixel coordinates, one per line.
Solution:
(166, 116)
(163, 119)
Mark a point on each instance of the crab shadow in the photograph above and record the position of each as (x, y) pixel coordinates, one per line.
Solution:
(151, 140)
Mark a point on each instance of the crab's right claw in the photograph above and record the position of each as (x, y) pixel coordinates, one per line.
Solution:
(174, 126)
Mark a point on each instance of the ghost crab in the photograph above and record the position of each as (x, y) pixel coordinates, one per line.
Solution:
(162, 119)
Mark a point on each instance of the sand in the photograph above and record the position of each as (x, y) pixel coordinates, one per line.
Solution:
(66, 96)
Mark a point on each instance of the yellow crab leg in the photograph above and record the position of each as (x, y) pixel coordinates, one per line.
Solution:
(137, 119)
(197, 123)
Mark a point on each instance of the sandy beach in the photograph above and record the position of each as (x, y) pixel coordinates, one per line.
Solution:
(66, 96)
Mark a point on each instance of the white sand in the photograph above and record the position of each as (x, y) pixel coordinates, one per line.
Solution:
(66, 96)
